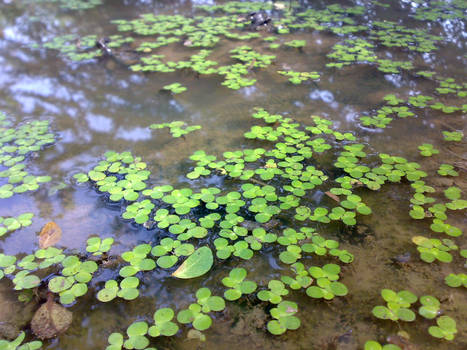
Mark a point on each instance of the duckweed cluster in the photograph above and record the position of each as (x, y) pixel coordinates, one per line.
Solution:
(16, 145)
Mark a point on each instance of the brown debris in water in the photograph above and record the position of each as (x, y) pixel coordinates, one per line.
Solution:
(50, 235)
(50, 319)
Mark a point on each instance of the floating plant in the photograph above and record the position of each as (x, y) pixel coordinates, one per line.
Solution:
(137, 336)
(177, 128)
(326, 279)
(453, 136)
(14, 223)
(175, 88)
(197, 264)
(16, 145)
(445, 329)
(98, 246)
(237, 284)
(456, 280)
(298, 44)
(299, 77)
(197, 313)
(301, 280)
(447, 170)
(397, 306)
(284, 318)
(276, 289)
(427, 150)
(16, 344)
(269, 188)
(168, 252)
(374, 345)
(432, 249)
(163, 325)
(73, 282)
(430, 306)
(137, 257)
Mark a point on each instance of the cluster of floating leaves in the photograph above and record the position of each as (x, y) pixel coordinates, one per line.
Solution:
(299, 77)
(435, 10)
(150, 32)
(11, 224)
(396, 106)
(177, 128)
(17, 344)
(361, 51)
(172, 209)
(123, 178)
(17, 145)
(398, 308)
(71, 4)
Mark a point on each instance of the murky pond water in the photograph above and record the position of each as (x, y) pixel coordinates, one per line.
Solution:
(103, 104)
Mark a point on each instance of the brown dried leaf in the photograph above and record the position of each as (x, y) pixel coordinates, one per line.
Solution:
(332, 196)
(50, 320)
(50, 234)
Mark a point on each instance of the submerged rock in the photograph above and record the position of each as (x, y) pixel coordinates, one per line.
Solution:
(403, 258)
(258, 19)
(50, 320)
(14, 315)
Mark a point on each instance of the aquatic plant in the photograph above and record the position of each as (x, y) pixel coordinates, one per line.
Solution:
(137, 336)
(177, 128)
(445, 329)
(427, 150)
(298, 44)
(299, 77)
(76, 49)
(456, 280)
(453, 136)
(276, 289)
(98, 246)
(447, 170)
(326, 279)
(139, 211)
(392, 34)
(16, 144)
(163, 324)
(197, 264)
(120, 176)
(430, 306)
(397, 307)
(115, 341)
(73, 280)
(168, 252)
(284, 318)
(237, 284)
(175, 88)
(10, 224)
(439, 10)
(197, 313)
(432, 249)
(138, 260)
(352, 50)
(236, 7)
(292, 146)
(374, 345)
(16, 344)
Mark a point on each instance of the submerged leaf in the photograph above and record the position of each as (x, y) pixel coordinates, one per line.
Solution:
(50, 235)
(50, 320)
(196, 264)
